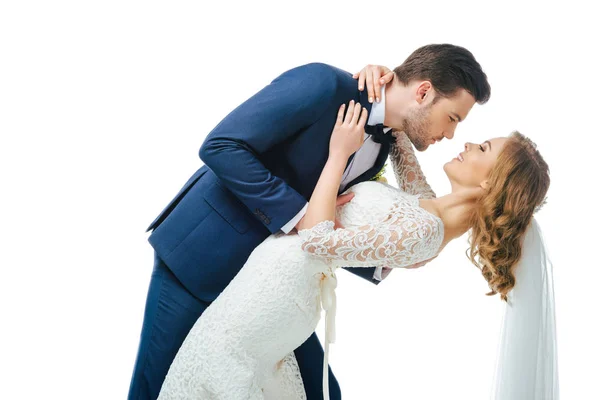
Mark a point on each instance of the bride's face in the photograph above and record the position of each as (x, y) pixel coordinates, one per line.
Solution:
(472, 167)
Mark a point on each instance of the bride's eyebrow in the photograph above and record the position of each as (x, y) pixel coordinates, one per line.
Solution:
(489, 144)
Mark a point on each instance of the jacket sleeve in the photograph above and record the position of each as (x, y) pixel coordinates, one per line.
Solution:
(286, 106)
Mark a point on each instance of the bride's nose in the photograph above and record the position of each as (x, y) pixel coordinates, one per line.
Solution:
(467, 146)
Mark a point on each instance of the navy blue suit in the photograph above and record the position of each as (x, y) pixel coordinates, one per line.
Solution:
(262, 163)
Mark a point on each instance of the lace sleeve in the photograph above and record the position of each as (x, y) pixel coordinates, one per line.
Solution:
(407, 236)
(408, 172)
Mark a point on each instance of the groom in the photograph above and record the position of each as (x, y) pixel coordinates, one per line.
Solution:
(262, 163)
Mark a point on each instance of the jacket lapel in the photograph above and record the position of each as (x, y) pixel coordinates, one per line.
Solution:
(363, 99)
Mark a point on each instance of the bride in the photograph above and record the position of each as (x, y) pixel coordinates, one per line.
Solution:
(242, 346)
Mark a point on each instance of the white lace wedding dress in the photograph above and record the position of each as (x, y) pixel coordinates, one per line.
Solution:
(242, 346)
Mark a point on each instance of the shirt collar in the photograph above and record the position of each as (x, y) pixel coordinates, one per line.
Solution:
(377, 115)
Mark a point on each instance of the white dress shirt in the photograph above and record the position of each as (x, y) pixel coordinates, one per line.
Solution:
(363, 160)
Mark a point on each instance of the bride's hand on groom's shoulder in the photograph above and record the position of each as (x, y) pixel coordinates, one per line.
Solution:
(348, 132)
(375, 76)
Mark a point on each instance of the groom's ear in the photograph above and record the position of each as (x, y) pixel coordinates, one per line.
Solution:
(424, 91)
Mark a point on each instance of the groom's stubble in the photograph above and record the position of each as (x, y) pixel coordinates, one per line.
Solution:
(417, 125)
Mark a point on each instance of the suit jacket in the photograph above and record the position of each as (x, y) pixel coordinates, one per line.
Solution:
(262, 163)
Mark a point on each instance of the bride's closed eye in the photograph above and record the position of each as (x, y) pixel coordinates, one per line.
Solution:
(481, 148)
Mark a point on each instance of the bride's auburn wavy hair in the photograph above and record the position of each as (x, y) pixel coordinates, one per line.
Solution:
(518, 185)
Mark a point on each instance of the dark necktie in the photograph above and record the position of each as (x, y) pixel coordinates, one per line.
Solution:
(376, 131)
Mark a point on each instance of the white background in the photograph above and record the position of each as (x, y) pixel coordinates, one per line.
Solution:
(104, 105)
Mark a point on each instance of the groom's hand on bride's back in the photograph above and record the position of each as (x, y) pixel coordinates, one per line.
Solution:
(375, 77)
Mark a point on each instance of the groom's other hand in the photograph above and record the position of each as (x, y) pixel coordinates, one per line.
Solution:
(341, 200)
(375, 76)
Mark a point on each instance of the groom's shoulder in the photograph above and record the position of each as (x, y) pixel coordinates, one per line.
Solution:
(318, 72)
(321, 68)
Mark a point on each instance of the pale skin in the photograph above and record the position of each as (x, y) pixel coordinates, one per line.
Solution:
(468, 175)
(441, 116)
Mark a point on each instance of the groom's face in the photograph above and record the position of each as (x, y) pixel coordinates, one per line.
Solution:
(433, 118)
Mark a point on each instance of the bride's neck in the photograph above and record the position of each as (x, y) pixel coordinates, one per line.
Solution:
(455, 210)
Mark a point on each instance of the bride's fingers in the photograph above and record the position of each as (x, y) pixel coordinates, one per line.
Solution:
(356, 114)
(387, 78)
(349, 112)
(340, 116)
(363, 117)
(370, 85)
(361, 79)
(377, 84)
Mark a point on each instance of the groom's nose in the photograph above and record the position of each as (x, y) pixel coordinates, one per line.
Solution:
(449, 133)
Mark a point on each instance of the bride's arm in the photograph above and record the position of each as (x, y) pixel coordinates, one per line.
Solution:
(346, 138)
(407, 236)
(407, 170)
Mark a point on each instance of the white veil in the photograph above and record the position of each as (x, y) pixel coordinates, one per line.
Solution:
(527, 357)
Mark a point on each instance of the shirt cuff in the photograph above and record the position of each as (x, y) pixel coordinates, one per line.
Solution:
(377, 273)
(294, 221)
(381, 273)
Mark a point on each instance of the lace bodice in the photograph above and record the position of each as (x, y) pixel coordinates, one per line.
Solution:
(383, 227)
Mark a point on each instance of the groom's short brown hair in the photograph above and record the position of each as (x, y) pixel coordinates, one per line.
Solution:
(448, 68)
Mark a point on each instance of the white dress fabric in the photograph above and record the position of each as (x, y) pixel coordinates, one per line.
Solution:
(242, 346)
(527, 363)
